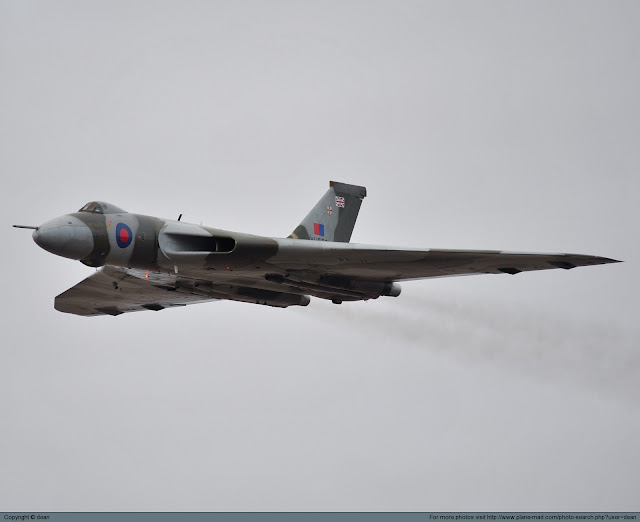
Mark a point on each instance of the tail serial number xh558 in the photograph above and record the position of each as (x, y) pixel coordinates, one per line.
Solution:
(150, 263)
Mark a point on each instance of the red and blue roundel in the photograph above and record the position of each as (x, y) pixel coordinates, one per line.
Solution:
(123, 235)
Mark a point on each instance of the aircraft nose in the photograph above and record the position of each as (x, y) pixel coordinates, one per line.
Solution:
(65, 236)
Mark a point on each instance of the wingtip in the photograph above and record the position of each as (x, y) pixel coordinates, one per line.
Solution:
(585, 260)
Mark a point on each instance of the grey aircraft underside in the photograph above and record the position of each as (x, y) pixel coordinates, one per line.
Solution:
(148, 263)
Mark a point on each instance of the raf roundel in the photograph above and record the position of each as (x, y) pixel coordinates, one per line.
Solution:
(123, 235)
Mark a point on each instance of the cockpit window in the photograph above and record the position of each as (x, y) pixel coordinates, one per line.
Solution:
(92, 207)
(99, 207)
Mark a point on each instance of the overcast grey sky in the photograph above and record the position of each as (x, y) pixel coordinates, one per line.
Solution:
(507, 125)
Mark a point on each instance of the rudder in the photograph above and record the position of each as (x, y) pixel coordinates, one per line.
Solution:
(334, 216)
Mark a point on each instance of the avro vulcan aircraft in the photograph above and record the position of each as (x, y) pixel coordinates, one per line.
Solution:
(148, 263)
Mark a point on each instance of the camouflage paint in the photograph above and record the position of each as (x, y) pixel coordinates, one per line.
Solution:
(145, 242)
(97, 223)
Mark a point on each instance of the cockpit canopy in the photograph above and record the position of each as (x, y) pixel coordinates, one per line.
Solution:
(100, 207)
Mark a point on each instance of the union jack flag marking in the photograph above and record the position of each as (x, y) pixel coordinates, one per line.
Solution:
(339, 201)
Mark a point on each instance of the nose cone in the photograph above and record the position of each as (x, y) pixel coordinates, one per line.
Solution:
(65, 236)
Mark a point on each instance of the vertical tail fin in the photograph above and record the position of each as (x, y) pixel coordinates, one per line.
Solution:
(334, 216)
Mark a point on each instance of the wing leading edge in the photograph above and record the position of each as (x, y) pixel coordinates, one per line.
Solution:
(397, 264)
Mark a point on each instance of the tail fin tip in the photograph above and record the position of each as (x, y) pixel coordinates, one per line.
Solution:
(354, 190)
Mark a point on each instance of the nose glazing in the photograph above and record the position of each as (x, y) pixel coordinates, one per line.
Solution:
(65, 236)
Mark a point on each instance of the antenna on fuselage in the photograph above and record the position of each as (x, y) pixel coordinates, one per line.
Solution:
(179, 217)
